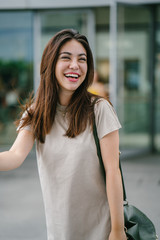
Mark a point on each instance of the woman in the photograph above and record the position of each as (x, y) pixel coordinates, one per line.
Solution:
(79, 205)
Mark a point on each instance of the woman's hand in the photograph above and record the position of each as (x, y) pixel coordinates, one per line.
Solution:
(20, 149)
(117, 235)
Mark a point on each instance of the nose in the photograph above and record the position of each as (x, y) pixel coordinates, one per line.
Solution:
(74, 64)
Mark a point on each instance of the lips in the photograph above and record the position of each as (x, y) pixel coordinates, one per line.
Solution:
(72, 77)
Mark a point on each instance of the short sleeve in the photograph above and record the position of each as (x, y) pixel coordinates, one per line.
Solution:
(21, 122)
(106, 118)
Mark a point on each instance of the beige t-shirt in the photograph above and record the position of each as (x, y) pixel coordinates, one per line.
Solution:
(73, 187)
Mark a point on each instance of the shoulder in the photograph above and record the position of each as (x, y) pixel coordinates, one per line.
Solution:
(102, 104)
(25, 120)
(28, 111)
(105, 117)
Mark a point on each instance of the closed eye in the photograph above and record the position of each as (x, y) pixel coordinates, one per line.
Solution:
(83, 59)
(65, 57)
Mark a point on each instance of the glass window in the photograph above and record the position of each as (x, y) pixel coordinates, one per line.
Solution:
(134, 87)
(16, 63)
(101, 80)
(53, 21)
(157, 81)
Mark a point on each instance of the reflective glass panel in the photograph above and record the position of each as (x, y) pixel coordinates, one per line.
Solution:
(157, 81)
(101, 80)
(53, 21)
(134, 87)
(16, 77)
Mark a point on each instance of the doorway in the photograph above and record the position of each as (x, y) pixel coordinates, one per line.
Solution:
(138, 80)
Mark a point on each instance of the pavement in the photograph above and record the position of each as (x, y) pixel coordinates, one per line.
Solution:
(21, 205)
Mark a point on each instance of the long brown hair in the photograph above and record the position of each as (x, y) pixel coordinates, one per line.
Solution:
(42, 109)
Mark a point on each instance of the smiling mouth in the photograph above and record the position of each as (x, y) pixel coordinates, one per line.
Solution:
(72, 77)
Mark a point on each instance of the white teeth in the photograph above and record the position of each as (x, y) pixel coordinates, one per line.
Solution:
(71, 75)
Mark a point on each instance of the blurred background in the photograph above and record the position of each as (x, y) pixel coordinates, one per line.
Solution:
(125, 40)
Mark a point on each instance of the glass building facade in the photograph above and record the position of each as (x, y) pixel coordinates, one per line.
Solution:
(136, 85)
(16, 68)
(138, 76)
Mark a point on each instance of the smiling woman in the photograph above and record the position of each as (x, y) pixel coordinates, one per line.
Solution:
(78, 203)
(71, 69)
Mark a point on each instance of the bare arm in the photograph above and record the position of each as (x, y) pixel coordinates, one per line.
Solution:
(110, 155)
(18, 152)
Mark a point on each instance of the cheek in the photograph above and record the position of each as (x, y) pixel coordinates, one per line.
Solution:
(60, 67)
(84, 68)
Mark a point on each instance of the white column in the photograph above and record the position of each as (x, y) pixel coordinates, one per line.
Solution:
(113, 53)
(36, 50)
(91, 32)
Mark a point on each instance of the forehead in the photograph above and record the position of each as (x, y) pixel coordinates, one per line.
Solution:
(73, 46)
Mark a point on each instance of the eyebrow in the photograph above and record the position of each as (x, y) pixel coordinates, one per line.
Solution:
(81, 54)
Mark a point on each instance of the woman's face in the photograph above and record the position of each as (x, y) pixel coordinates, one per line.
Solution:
(71, 66)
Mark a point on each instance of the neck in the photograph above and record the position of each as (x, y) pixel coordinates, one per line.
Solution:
(64, 98)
